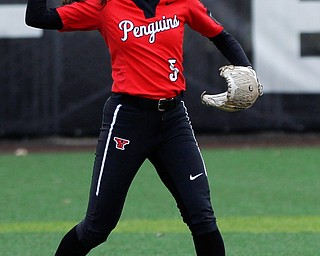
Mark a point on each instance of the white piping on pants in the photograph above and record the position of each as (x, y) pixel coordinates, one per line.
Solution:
(106, 148)
(194, 137)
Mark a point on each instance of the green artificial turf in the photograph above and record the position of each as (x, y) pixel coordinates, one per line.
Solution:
(266, 200)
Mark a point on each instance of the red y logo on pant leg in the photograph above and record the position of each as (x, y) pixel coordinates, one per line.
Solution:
(120, 143)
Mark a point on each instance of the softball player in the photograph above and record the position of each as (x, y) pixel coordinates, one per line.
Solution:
(145, 116)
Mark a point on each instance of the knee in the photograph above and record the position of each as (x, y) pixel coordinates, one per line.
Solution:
(92, 235)
(202, 225)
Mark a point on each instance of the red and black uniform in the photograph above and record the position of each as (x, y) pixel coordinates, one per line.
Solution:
(145, 44)
(145, 117)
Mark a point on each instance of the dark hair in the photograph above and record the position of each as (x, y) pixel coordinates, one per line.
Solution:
(64, 2)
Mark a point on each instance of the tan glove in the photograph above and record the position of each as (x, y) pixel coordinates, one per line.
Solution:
(243, 89)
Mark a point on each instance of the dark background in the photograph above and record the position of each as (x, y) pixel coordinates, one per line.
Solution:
(57, 85)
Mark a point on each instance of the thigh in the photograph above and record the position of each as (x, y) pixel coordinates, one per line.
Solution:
(180, 166)
(119, 154)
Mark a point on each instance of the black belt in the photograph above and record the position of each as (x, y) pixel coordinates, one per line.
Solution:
(163, 104)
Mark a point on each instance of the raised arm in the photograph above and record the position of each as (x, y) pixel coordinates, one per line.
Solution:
(38, 15)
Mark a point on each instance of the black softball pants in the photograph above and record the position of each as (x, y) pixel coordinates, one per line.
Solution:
(132, 132)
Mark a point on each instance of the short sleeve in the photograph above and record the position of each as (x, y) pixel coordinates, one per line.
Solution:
(81, 15)
(199, 19)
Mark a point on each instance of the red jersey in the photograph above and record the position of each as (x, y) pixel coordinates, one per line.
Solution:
(146, 50)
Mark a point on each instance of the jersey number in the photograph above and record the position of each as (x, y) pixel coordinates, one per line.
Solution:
(173, 76)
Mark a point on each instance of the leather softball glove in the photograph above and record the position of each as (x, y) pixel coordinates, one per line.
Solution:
(243, 89)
